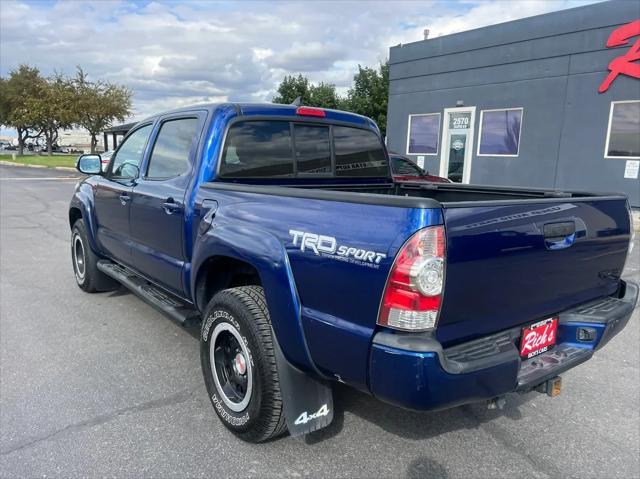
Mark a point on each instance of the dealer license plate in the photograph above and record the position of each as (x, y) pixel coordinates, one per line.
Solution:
(538, 337)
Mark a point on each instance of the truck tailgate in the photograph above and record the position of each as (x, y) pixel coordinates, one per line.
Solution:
(513, 263)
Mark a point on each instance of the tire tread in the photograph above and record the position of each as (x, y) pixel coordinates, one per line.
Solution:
(271, 422)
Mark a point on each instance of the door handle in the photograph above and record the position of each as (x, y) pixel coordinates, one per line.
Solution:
(124, 199)
(171, 206)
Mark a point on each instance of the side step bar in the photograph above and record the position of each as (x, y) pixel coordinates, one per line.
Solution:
(177, 310)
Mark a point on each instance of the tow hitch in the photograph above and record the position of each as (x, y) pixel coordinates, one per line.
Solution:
(496, 403)
(552, 387)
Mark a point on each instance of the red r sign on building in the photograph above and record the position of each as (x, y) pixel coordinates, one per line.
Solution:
(626, 64)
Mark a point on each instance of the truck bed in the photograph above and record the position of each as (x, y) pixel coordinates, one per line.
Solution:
(503, 268)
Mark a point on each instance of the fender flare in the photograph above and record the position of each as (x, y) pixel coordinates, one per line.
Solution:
(83, 200)
(268, 256)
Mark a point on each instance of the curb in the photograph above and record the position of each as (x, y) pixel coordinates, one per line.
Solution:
(12, 163)
(635, 212)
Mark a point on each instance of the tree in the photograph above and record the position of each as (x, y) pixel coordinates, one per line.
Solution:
(291, 88)
(52, 109)
(23, 84)
(370, 94)
(4, 103)
(98, 104)
(323, 95)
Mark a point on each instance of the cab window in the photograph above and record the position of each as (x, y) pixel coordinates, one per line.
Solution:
(359, 153)
(170, 155)
(125, 163)
(272, 149)
(313, 149)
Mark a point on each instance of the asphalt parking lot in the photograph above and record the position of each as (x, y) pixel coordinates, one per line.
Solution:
(104, 385)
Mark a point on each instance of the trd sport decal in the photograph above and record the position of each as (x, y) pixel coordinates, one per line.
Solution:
(328, 247)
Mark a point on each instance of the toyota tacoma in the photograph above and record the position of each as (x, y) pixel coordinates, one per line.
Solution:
(278, 229)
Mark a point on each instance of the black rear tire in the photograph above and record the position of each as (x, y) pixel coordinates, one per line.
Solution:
(242, 380)
(85, 262)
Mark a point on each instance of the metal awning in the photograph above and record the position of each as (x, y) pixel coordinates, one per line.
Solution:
(116, 130)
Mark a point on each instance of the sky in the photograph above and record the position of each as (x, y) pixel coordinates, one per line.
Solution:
(174, 53)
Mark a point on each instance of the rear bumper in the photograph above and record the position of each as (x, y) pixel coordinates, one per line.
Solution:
(415, 372)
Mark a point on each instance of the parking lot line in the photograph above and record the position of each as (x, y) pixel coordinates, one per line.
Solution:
(46, 178)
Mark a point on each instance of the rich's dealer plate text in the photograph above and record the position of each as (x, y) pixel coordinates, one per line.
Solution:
(538, 338)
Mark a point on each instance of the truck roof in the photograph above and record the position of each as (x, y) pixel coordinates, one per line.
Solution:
(273, 109)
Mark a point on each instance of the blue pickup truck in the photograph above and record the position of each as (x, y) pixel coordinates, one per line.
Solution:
(279, 230)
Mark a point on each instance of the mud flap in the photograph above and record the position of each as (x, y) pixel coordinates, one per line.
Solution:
(307, 401)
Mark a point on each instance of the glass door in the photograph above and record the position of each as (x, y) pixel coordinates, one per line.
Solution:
(457, 141)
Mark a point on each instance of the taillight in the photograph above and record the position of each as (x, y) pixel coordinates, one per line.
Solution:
(310, 111)
(413, 293)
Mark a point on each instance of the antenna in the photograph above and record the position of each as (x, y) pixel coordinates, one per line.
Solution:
(297, 101)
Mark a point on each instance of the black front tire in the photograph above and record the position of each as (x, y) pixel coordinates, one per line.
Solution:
(85, 262)
(239, 317)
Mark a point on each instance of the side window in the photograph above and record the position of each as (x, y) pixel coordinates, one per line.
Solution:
(359, 153)
(170, 154)
(257, 149)
(313, 149)
(126, 161)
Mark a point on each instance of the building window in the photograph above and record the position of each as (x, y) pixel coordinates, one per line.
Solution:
(500, 132)
(623, 133)
(423, 134)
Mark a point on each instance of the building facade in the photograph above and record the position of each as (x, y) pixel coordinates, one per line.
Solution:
(549, 101)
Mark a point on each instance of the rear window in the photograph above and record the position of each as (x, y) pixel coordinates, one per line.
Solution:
(268, 149)
(358, 153)
(313, 149)
(258, 149)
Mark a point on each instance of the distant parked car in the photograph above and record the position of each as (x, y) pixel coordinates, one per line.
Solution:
(105, 158)
(403, 169)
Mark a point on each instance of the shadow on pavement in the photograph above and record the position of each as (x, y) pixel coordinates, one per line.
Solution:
(400, 422)
(423, 467)
(411, 424)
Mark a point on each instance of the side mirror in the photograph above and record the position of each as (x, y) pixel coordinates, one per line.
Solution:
(89, 164)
